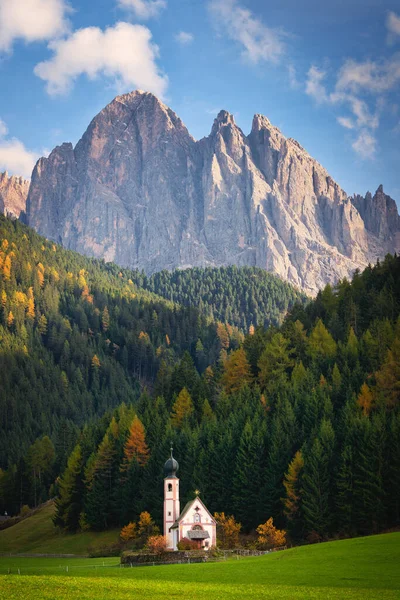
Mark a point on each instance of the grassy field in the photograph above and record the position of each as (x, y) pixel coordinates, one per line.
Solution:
(37, 535)
(362, 568)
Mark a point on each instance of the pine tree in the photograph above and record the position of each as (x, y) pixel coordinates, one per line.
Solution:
(69, 503)
(316, 503)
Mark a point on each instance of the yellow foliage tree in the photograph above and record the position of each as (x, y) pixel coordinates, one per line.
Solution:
(182, 409)
(228, 530)
(365, 399)
(292, 486)
(95, 362)
(129, 532)
(269, 536)
(146, 525)
(7, 268)
(237, 371)
(40, 274)
(3, 298)
(10, 319)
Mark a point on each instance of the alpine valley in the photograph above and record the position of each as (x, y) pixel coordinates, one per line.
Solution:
(138, 190)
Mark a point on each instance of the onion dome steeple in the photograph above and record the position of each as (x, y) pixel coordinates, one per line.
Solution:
(171, 466)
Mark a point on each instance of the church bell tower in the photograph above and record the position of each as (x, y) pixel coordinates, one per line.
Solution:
(171, 502)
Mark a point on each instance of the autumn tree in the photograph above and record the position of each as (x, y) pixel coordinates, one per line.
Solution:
(182, 409)
(227, 530)
(129, 532)
(237, 371)
(269, 536)
(135, 446)
(365, 399)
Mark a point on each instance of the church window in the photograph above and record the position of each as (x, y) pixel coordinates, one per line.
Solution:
(197, 518)
(170, 487)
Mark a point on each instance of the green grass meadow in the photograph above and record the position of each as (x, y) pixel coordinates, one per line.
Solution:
(37, 535)
(361, 568)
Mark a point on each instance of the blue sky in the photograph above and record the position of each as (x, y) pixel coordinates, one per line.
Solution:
(326, 73)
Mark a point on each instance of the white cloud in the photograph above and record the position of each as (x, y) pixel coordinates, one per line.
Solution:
(365, 144)
(345, 122)
(293, 81)
(144, 9)
(184, 38)
(14, 157)
(3, 129)
(359, 108)
(124, 53)
(393, 25)
(314, 86)
(369, 76)
(259, 42)
(31, 20)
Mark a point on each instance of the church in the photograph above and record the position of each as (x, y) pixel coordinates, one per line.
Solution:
(195, 522)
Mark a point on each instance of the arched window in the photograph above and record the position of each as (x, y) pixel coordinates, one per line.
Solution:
(197, 518)
(170, 487)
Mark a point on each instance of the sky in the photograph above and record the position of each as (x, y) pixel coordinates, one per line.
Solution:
(325, 73)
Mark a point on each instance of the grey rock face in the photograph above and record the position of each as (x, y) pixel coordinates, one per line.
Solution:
(13, 194)
(140, 191)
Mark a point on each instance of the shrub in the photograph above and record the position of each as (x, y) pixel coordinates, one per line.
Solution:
(186, 544)
(25, 510)
(157, 544)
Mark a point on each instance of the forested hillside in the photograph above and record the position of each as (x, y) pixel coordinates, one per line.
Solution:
(300, 422)
(76, 338)
(241, 296)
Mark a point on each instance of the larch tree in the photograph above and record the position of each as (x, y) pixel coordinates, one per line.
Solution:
(237, 371)
(182, 409)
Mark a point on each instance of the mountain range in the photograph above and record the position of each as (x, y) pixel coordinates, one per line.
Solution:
(139, 190)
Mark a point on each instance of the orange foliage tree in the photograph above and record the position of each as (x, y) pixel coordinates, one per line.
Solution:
(365, 399)
(228, 530)
(135, 446)
(129, 532)
(269, 536)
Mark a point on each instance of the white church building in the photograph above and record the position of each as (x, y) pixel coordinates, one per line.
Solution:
(195, 522)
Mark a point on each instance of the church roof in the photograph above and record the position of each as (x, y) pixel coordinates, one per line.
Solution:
(171, 467)
(186, 509)
(198, 534)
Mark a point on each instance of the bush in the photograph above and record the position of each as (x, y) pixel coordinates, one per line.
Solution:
(186, 544)
(157, 544)
(25, 510)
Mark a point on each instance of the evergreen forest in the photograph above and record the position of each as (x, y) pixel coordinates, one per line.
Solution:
(299, 421)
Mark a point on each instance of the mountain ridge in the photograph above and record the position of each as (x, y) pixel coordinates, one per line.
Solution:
(138, 190)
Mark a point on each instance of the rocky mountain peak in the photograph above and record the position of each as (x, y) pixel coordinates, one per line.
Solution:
(139, 190)
(13, 194)
(223, 119)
